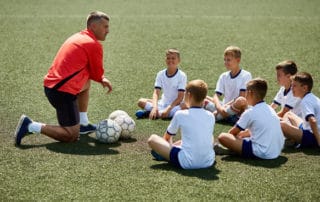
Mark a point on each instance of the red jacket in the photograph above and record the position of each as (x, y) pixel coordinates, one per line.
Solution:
(81, 52)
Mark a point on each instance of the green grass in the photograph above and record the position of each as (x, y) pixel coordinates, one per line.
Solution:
(41, 169)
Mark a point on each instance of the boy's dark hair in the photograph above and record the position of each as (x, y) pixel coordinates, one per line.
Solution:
(259, 86)
(198, 88)
(303, 78)
(95, 16)
(288, 67)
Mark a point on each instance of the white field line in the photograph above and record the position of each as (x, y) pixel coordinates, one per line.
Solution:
(170, 16)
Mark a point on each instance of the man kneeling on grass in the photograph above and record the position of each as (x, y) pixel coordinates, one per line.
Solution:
(195, 150)
(257, 134)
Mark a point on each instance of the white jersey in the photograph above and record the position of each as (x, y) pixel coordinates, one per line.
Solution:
(286, 99)
(196, 126)
(230, 86)
(266, 134)
(310, 106)
(170, 85)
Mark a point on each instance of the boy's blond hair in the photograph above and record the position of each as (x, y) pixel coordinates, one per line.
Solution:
(233, 51)
(173, 51)
(198, 88)
(259, 87)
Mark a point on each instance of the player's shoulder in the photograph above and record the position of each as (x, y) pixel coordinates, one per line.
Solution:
(245, 72)
(181, 72)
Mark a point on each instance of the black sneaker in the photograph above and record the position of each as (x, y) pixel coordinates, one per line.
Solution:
(86, 129)
(221, 150)
(22, 129)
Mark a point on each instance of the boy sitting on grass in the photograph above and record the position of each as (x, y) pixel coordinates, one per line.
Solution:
(306, 134)
(172, 81)
(195, 150)
(232, 85)
(284, 98)
(258, 131)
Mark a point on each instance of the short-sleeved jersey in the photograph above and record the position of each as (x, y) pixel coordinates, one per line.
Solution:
(286, 99)
(170, 85)
(266, 134)
(310, 106)
(230, 86)
(196, 126)
(80, 55)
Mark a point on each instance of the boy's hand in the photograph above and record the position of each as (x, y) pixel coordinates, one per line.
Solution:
(166, 112)
(153, 114)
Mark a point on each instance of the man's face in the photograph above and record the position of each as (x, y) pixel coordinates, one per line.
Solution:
(100, 29)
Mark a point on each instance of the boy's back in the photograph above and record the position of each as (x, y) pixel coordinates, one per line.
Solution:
(266, 135)
(197, 127)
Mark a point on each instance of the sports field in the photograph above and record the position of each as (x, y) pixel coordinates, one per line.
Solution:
(32, 31)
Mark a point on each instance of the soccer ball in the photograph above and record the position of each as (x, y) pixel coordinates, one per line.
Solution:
(108, 131)
(117, 113)
(127, 125)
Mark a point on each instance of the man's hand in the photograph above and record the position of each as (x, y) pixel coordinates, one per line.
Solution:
(106, 83)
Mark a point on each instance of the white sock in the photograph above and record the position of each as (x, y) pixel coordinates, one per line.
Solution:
(35, 127)
(84, 118)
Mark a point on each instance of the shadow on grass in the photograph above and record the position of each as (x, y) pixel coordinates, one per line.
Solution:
(270, 163)
(210, 173)
(85, 146)
(127, 140)
(307, 151)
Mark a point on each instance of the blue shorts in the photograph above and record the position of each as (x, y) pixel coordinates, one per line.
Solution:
(308, 140)
(247, 149)
(174, 160)
(230, 119)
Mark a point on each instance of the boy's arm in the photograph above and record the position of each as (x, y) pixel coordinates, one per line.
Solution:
(220, 109)
(274, 105)
(314, 127)
(168, 137)
(282, 112)
(155, 98)
(176, 102)
(234, 130)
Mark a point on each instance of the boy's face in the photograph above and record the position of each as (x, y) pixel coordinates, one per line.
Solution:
(172, 60)
(283, 78)
(298, 89)
(248, 96)
(231, 62)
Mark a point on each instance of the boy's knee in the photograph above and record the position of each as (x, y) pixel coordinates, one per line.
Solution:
(240, 104)
(141, 103)
(151, 139)
(221, 137)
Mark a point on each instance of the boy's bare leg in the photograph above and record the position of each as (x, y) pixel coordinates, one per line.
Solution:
(231, 142)
(160, 146)
(143, 101)
(292, 118)
(291, 132)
